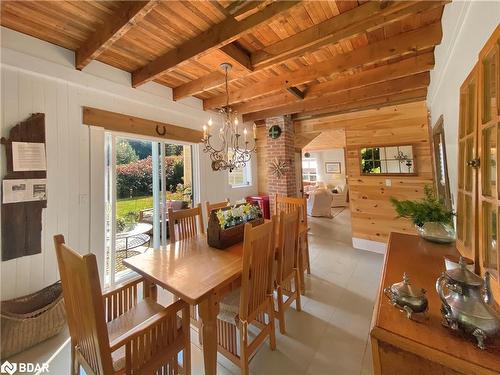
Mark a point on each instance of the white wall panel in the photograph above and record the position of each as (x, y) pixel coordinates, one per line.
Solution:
(467, 25)
(39, 77)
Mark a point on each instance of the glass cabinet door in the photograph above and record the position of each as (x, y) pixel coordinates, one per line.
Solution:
(489, 133)
(467, 172)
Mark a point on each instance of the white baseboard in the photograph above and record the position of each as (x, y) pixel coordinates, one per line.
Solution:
(368, 245)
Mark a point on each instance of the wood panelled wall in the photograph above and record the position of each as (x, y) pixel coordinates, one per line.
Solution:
(373, 216)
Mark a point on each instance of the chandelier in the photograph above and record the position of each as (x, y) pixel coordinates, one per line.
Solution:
(226, 147)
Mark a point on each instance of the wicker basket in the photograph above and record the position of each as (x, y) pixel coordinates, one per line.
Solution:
(28, 320)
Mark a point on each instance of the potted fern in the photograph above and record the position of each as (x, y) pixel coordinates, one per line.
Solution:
(432, 219)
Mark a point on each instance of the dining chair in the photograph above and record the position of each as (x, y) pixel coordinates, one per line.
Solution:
(288, 204)
(182, 224)
(216, 206)
(115, 332)
(252, 302)
(288, 278)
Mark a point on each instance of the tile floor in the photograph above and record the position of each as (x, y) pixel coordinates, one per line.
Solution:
(330, 335)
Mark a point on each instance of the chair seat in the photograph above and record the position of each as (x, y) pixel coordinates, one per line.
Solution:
(144, 310)
(229, 307)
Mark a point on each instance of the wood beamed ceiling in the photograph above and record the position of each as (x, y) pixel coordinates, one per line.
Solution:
(306, 58)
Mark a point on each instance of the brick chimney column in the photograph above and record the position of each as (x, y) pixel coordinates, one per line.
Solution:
(283, 150)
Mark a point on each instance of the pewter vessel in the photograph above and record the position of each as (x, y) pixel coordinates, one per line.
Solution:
(407, 298)
(467, 305)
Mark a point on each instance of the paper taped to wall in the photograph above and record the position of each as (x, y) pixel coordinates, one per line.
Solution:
(24, 190)
(27, 156)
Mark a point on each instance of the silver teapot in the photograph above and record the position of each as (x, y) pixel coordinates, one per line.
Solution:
(406, 298)
(468, 306)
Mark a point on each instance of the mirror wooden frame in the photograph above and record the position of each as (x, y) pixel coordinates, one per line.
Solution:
(414, 173)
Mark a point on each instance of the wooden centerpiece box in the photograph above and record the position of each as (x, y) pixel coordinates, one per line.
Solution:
(226, 225)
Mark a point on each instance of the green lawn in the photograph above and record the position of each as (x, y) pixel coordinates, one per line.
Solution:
(136, 204)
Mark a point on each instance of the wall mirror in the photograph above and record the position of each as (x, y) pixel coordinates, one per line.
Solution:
(387, 160)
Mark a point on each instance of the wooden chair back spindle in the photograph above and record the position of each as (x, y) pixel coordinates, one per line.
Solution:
(287, 205)
(216, 206)
(288, 275)
(184, 224)
(288, 244)
(256, 279)
(84, 307)
(290, 204)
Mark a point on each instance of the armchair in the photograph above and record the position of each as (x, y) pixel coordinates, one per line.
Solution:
(340, 199)
(319, 203)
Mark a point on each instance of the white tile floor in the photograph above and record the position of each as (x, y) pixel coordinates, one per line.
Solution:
(330, 335)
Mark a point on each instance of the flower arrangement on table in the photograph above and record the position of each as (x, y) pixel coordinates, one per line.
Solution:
(226, 226)
(238, 214)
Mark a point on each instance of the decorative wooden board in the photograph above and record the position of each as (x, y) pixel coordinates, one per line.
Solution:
(22, 222)
(224, 238)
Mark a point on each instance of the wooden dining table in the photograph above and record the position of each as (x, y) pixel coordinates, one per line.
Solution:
(197, 274)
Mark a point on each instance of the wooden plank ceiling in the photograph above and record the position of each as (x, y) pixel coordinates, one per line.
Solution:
(307, 58)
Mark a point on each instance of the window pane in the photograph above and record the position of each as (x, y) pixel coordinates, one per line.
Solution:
(391, 152)
(461, 164)
(393, 166)
(236, 177)
(490, 233)
(463, 111)
(471, 108)
(490, 86)
(460, 216)
(469, 155)
(490, 154)
(469, 219)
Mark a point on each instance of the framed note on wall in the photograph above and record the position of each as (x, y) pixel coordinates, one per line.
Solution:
(333, 167)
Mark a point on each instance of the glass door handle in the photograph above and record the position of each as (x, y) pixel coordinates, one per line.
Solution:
(474, 163)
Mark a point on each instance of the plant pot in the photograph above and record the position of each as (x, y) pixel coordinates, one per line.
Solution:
(436, 232)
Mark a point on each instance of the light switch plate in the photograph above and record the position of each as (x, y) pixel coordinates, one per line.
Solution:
(388, 182)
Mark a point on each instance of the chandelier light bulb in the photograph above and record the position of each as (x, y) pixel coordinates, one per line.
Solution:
(210, 122)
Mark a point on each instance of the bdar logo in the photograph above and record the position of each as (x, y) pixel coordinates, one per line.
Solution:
(8, 368)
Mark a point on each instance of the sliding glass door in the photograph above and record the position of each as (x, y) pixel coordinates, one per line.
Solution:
(143, 179)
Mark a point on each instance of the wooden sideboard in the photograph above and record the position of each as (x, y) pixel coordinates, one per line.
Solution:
(402, 346)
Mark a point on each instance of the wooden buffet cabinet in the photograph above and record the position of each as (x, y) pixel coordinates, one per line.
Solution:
(402, 346)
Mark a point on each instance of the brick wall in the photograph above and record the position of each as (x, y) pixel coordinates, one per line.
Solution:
(282, 149)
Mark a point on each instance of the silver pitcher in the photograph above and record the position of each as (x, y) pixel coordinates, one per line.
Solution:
(468, 306)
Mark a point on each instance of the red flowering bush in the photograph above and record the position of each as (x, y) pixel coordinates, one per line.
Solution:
(136, 178)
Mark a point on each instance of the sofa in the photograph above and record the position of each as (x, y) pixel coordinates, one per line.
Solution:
(340, 192)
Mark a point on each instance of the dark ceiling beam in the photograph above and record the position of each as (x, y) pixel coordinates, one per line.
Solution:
(343, 26)
(366, 17)
(237, 56)
(411, 96)
(404, 43)
(383, 89)
(296, 92)
(218, 36)
(413, 65)
(112, 29)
